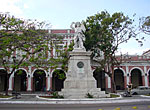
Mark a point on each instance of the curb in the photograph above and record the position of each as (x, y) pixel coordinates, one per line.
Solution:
(73, 102)
(145, 96)
(86, 99)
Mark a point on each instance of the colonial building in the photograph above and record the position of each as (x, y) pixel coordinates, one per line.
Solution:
(136, 69)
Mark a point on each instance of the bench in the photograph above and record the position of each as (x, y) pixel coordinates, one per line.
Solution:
(16, 94)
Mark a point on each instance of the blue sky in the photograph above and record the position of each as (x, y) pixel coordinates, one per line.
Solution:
(60, 13)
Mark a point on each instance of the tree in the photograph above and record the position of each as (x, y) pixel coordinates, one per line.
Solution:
(55, 48)
(104, 34)
(65, 56)
(145, 25)
(20, 41)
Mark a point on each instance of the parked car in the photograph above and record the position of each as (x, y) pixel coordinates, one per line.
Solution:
(141, 90)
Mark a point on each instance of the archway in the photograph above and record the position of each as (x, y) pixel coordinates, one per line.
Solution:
(39, 80)
(100, 79)
(20, 79)
(3, 80)
(58, 79)
(136, 78)
(119, 79)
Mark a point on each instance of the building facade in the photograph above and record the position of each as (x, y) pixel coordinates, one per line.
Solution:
(136, 69)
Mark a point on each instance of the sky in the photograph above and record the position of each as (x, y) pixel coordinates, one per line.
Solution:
(61, 13)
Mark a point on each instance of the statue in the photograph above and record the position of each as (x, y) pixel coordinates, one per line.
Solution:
(79, 36)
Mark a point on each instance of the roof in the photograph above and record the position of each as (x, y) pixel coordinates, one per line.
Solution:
(61, 31)
(147, 53)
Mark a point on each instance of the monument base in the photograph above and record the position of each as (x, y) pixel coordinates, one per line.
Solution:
(83, 93)
(80, 80)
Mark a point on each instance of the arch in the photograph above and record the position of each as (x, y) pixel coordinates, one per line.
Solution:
(119, 79)
(3, 79)
(57, 69)
(136, 77)
(124, 73)
(39, 69)
(58, 78)
(142, 73)
(148, 70)
(20, 80)
(100, 79)
(39, 80)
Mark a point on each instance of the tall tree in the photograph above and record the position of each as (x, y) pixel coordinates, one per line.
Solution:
(20, 41)
(104, 34)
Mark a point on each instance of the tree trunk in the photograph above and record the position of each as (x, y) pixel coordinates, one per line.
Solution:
(113, 85)
(7, 83)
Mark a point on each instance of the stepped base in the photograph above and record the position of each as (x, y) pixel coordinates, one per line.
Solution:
(82, 93)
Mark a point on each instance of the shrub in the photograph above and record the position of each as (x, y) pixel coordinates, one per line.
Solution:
(56, 95)
(88, 95)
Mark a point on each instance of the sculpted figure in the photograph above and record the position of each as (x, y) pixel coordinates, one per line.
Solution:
(79, 36)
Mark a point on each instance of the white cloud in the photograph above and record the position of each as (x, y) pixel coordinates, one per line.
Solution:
(26, 6)
(12, 6)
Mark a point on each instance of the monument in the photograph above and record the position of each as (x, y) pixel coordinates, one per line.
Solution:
(80, 80)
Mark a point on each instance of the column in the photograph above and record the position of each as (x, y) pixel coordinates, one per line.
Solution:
(125, 81)
(108, 82)
(54, 52)
(11, 81)
(145, 76)
(48, 80)
(10, 88)
(128, 75)
(29, 82)
(51, 80)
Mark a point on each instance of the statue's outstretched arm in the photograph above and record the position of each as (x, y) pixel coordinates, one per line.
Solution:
(83, 27)
(71, 26)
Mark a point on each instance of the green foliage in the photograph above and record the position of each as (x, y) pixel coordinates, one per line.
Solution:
(40, 72)
(20, 37)
(22, 41)
(147, 95)
(114, 96)
(4, 96)
(104, 34)
(56, 95)
(59, 74)
(65, 57)
(19, 72)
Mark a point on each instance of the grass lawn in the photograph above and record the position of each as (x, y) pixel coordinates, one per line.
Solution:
(148, 95)
(114, 95)
(4, 96)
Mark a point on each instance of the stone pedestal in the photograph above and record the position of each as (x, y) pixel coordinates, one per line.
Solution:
(80, 80)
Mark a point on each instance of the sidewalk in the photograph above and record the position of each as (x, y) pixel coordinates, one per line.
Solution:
(34, 99)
